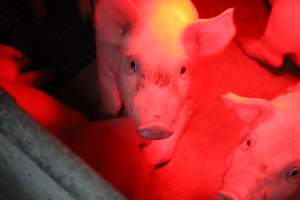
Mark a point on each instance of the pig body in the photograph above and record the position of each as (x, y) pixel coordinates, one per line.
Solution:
(144, 50)
(281, 36)
(266, 164)
(11, 61)
(47, 111)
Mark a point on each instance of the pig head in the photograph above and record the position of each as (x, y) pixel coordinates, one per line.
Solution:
(144, 57)
(266, 164)
(281, 35)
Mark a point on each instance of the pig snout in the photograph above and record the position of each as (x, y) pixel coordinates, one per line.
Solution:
(155, 110)
(155, 130)
(223, 195)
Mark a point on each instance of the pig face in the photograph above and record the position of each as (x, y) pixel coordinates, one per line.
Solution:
(153, 97)
(153, 86)
(155, 50)
(266, 164)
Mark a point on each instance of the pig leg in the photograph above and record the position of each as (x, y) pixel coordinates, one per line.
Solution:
(159, 152)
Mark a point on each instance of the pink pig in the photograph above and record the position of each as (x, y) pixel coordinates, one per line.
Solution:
(281, 36)
(266, 164)
(144, 50)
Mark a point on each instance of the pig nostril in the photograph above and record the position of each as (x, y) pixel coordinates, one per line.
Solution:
(155, 131)
(226, 196)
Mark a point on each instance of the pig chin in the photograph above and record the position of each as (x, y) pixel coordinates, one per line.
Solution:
(246, 189)
(228, 193)
(233, 188)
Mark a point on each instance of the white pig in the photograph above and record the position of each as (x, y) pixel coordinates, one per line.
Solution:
(144, 50)
(281, 36)
(266, 164)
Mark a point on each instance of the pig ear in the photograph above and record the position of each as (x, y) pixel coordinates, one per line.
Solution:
(209, 36)
(115, 19)
(248, 109)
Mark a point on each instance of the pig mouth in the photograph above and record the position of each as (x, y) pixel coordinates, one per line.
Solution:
(155, 130)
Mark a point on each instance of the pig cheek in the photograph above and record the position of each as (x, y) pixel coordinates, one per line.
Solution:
(135, 107)
(273, 189)
(240, 176)
(128, 89)
(183, 88)
(285, 190)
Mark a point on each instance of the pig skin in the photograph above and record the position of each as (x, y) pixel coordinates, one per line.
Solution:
(266, 164)
(281, 35)
(58, 118)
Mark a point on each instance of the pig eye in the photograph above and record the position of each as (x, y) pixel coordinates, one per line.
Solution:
(183, 70)
(293, 172)
(133, 65)
(248, 143)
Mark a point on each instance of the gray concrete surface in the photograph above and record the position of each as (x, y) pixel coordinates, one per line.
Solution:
(35, 166)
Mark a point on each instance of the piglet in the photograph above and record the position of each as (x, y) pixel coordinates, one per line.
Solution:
(144, 52)
(266, 164)
(281, 36)
(55, 116)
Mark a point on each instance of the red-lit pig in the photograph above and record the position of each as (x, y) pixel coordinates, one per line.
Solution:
(46, 110)
(11, 60)
(144, 51)
(281, 36)
(266, 164)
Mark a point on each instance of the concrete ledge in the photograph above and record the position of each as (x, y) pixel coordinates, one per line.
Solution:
(34, 165)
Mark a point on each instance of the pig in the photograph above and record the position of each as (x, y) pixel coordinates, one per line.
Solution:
(55, 116)
(144, 52)
(266, 163)
(13, 61)
(281, 36)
